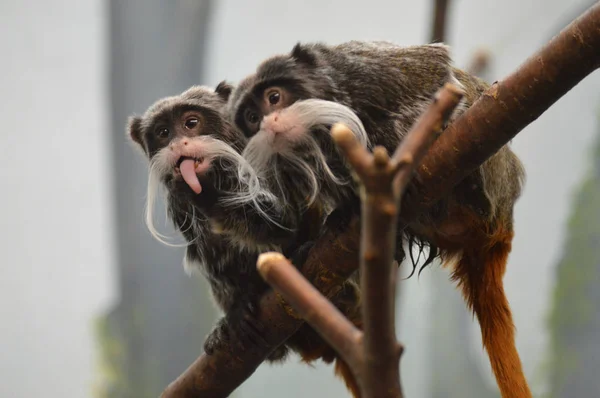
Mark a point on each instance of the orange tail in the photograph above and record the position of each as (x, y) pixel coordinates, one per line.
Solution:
(479, 272)
(343, 371)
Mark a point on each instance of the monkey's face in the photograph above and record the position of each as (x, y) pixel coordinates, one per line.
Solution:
(262, 104)
(281, 154)
(277, 83)
(193, 150)
(298, 157)
(182, 136)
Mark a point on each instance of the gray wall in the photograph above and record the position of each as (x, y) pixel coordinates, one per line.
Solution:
(156, 49)
(57, 239)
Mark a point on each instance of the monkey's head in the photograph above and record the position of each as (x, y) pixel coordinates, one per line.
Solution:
(279, 82)
(193, 150)
(288, 128)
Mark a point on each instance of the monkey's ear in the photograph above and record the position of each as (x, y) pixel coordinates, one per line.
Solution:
(224, 90)
(304, 55)
(134, 130)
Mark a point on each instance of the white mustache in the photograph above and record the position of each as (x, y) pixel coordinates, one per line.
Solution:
(295, 140)
(222, 156)
(306, 114)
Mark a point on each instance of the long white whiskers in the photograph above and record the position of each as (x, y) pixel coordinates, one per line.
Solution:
(312, 112)
(249, 190)
(298, 121)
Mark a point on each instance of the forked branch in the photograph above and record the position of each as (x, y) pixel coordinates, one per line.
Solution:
(372, 354)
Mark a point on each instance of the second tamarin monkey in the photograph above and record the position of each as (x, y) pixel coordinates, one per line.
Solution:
(388, 87)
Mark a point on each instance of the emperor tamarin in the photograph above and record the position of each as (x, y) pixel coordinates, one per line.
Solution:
(388, 86)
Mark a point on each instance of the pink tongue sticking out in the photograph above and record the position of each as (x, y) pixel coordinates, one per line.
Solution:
(188, 172)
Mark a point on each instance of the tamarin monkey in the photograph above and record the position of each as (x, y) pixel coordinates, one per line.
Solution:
(216, 200)
(388, 87)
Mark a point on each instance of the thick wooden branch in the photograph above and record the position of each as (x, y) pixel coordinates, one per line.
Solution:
(502, 112)
(508, 107)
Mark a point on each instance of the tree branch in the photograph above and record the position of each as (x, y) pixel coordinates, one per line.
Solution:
(438, 28)
(491, 122)
(507, 107)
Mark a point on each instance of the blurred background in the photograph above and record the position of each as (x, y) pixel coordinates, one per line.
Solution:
(92, 306)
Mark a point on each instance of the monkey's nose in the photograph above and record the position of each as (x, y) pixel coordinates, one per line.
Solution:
(185, 141)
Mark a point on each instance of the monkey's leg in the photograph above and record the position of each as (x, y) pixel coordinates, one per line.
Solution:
(479, 273)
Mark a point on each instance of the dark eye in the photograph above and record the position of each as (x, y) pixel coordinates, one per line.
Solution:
(251, 117)
(191, 123)
(274, 97)
(163, 132)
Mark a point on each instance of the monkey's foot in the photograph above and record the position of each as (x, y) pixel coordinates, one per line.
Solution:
(240, 327)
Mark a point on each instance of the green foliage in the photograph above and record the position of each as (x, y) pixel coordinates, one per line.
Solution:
(120, 374)
(111, 363)
(144, 345)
